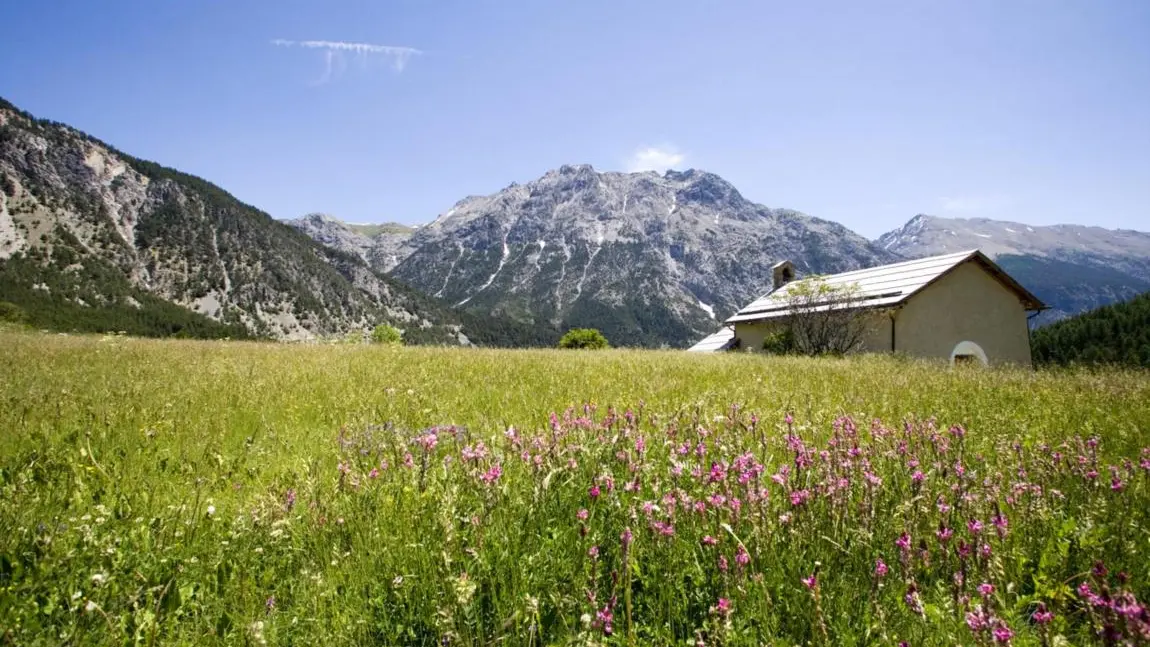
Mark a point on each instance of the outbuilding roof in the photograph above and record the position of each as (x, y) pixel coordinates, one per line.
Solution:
(887, 285)
(722, 339)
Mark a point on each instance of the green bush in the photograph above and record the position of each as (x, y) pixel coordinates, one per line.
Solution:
(12, 313)
(780, 342)
(584, 338)
(385, 334)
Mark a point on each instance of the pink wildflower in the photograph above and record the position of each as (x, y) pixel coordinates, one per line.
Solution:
(594, 492)
(723, 608)
(582, 514)
(1000, 524)
(709, 540)
(1041, 615)
(742, 558)
(903, 542)
(626, 537)
(593, 552)
(880, 568)
(492, 475)
(1002, 634)
(985, 589)
(811, 582)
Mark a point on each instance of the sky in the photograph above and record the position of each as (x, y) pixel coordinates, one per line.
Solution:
(866, 113)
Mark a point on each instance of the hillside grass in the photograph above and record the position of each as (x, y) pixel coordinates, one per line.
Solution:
(183, 492)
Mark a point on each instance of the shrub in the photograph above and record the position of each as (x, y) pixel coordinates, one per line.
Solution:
(12, 313)
(584, 338)
(780, 342)
(385, 334)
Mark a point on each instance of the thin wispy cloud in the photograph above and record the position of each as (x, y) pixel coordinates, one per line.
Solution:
(655, 158)
(335, 54)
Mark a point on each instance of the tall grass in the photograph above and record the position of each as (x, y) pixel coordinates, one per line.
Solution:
(163, 492)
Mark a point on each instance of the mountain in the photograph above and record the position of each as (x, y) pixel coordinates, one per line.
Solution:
(649, 259)
(1115, 334)
(1072, 268)
(380, 245)
(94, 239)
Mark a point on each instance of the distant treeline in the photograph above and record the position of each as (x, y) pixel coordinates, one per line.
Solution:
(1113, 334)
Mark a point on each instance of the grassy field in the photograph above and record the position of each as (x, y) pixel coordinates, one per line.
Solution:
(166, 492)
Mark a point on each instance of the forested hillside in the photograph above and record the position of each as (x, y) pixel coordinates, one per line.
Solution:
(1113, 334)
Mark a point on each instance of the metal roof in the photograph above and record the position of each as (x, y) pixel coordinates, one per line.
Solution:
(886, 285)
(720, 340)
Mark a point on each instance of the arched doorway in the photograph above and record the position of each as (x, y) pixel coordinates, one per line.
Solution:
(966, 353)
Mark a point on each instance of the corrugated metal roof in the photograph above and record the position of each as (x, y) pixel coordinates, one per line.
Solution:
(720, 340)
(883, 286)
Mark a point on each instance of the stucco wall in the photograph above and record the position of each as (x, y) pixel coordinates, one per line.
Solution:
(966, 305)
(751, 335)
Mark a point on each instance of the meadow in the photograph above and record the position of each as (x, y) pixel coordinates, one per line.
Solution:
(203, 493)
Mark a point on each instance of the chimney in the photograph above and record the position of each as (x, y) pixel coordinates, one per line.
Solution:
(782, 273)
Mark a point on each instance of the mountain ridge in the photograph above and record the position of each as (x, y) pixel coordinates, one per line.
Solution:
(91, 236)
(652, 259)
(1073, 268)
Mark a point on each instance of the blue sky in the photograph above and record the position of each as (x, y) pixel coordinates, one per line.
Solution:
(862, 112)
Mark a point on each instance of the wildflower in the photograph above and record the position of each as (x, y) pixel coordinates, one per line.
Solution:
(1000, 524)
(811, 582)
(903, 542)
(1002, 634)
(977, 619)
(626, 537)
(985, 589)
(374, 473)
(880, 568)
(917, 477)
(1099, 569)
(593, 552)
(492, 475)
(1116, 484)
(723, 563)
(270, 604)
(974, 526)
(604, 618)
(985, 551)
(742, 558)
(99, 578)
(428, 441)
(1041, 615)
(722, 608)
(211, 510)
(912, 599)
(709, 540)
(944, 534)
(582, 514)
(594, 492)
(799, 497)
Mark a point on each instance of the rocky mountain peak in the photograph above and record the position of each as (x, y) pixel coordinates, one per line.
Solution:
(651, 259)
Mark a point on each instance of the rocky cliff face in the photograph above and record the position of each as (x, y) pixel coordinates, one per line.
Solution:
(1071, 267)
(381, 246)
(90, 227)
(649, 259)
